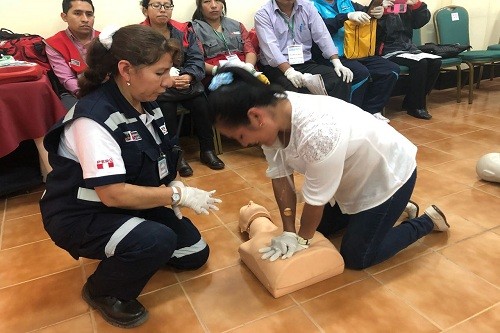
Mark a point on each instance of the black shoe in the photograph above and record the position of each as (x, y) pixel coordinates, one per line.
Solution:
(184, 169)
(419, 113)
(125, 314)
(210, 159)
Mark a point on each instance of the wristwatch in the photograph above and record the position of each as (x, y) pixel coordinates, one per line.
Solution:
(176, 197)
(303, 241)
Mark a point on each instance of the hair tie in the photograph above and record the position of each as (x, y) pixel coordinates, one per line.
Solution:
(220, 80)
(106, 36)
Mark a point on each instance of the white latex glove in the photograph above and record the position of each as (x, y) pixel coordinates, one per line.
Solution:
(214, 70)
(297, 78)
(342, 71)
(387, 3)
(174, 71)
(359, 17)
(284, 245)
(377, 12)
(180, 185)
(198, 200)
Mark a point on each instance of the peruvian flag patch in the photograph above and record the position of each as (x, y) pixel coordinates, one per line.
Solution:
(105, 164)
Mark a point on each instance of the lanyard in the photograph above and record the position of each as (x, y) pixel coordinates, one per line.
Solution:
(221, 36)
(290, 25)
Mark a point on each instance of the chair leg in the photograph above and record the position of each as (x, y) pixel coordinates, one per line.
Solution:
(217, 142)
(492, 71)
(471, 81)
(459, 84)
(481, 67)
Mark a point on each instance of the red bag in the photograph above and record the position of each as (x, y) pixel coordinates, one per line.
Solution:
(10, 74)
(24, 47)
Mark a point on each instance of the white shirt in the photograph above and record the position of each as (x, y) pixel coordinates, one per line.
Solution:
(91, 145)
(346, 155)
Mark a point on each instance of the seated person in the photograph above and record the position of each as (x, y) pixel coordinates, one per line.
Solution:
(286, 30)
(222, 38)
(191, 70)
(394, 34)
(374, 77)
(114, 171)
(67, 49)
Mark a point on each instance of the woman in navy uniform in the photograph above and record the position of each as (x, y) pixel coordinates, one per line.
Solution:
(113, 174)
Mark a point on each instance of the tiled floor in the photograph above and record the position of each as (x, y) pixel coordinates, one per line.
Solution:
(444, 282)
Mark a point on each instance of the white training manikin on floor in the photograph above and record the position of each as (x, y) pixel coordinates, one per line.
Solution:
(488, 167)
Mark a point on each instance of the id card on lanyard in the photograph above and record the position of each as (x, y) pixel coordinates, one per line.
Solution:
(230, 56)
(295, 51)
(162, 166)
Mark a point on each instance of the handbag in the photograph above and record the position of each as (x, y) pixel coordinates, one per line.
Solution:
(444, 50)
(359, 40)
(179, 95)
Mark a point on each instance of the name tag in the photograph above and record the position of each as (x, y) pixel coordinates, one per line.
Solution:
(162, 167)
(295, 54)
(232, 57)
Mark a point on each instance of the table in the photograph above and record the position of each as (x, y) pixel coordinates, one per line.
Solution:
(27, 111)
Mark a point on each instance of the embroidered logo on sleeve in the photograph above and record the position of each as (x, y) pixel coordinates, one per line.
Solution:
(105, 164)
(74, 62)
(132, 136)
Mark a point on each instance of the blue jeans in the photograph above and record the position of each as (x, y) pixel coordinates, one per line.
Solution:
(370, 235)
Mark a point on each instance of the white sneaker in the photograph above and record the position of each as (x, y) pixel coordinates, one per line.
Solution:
(438, 218)
(411, 209)
(379, 116)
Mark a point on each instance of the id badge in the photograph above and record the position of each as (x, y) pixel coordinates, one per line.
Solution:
(295, 54)
(162, 167)
(232, 57)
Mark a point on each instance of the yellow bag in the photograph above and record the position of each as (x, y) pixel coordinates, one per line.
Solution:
(359, 40)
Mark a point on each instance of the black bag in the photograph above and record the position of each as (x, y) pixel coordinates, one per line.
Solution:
(444, 50)
(178, 95)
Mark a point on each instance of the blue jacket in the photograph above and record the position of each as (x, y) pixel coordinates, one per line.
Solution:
(334, 15)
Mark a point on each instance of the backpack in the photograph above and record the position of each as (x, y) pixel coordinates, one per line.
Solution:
(359, 40)
(24, 47)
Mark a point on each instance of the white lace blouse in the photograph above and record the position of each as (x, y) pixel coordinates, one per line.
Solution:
(346, 155)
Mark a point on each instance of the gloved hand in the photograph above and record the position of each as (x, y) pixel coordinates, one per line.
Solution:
(284, 245)
(297, 78)
(359, 17)
(387, 3)
(342, 71)
(198, 200)
(174, 71)
(180, 185)
(377, 12)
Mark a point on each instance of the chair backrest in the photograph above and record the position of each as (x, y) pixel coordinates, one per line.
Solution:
(416, 39)
(452, 25)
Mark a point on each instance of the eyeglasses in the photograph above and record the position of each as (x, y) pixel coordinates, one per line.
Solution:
(159, 6)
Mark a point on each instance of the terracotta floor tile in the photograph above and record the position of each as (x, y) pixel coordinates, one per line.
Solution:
(169, 311)
(223, 252)
(225, 181)
(461, 147)
(450, 128)
(202, 221)
(286, 321)
(479, 254)
(489, 187)
(80, 324)
(23, 230)
(232, 297)
(32, 261)
(232, 202)
(254, 174)
(422, 136)
(243, 157)
(486, 322)
(413, 251)
(400, 125)
(484, 135)
(427, 157)
(437, 288)
(462, 171)
(482, 121)
(365, 306)
(42, 302)
(460, 229)
(22, 205)
(431, 185)
(476, 206)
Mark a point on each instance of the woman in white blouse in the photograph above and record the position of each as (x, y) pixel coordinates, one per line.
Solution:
(359, 172)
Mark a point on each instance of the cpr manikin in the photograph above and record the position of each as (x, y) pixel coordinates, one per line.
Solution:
(319, 262)
(488, 167)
